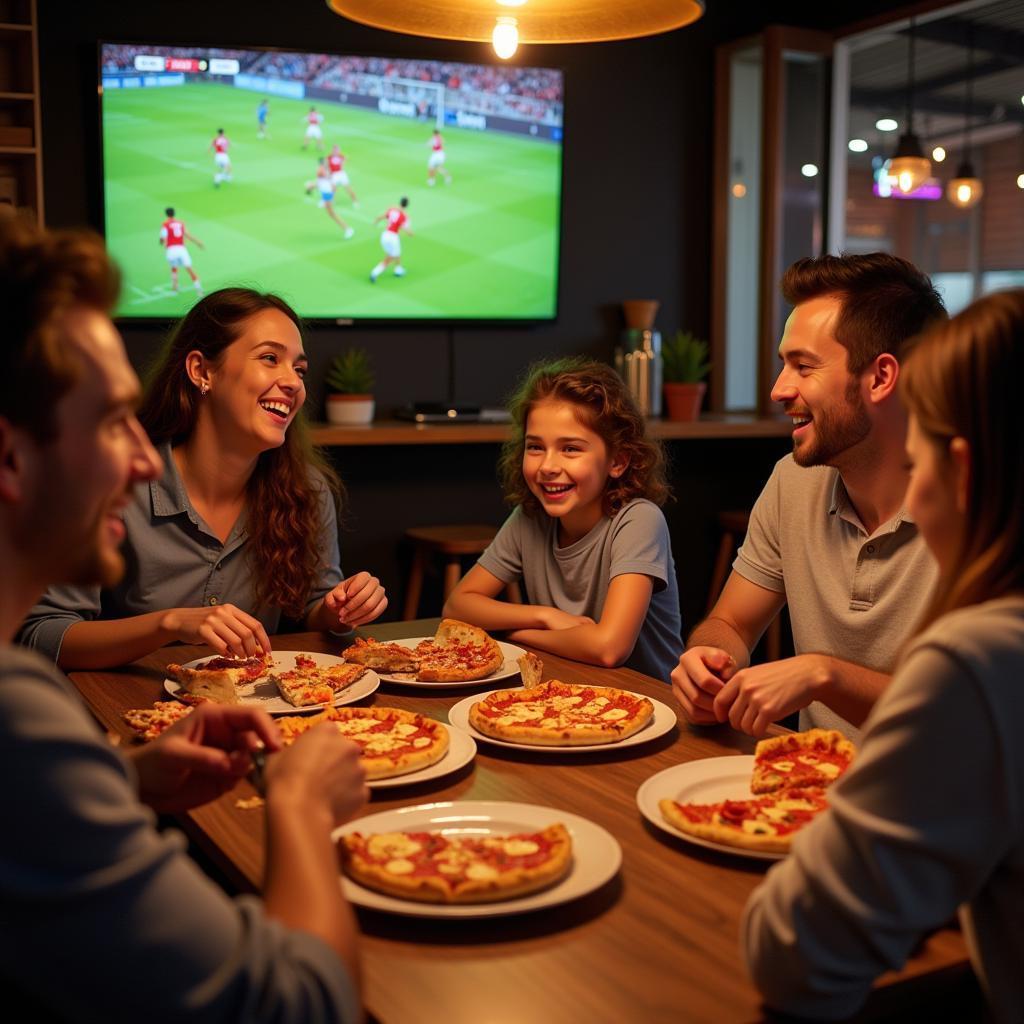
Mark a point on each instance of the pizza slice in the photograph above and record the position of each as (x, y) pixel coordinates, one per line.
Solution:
(386, 658)
(149, 723)
(765, 823)
(309, 684)
(441, 867)
(813, 758)
(219, 678)
(459, 652)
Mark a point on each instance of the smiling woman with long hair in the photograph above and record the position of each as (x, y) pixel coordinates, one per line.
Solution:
(930, 820)
(242, 526)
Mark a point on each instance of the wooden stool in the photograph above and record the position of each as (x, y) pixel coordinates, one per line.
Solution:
(733, 525)
(453, 542)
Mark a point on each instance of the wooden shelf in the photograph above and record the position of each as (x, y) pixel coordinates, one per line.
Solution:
(391, 432)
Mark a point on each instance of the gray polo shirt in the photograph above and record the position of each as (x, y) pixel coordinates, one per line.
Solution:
(850, 595)
(173, 560)
(575, 578)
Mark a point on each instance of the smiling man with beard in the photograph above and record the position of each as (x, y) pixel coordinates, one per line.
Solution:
(829, 534)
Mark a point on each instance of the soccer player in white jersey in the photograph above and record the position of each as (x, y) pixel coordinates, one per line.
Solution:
(221, 160)
(173, 236)
(435, 162)
(397, 220)
(325, 186)
(314, 129)
(336, 165)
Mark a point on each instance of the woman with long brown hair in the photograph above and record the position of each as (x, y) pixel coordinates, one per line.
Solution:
(930, 820)
(241, 528)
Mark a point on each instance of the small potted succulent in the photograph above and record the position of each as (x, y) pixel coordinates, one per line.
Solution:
(684, 365)
(350, 382)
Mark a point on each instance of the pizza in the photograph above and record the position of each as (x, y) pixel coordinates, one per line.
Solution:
(218, 678)
(458, 652)
(789, 782)
(766, 823)
(558, 714)
(438, 867)
(387, 658)
(393, 741)
(309, 683)
(149, 723)
(531, 669)
(814, 758)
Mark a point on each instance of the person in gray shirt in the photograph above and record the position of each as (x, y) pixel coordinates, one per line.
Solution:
(241, 526)
(930, 819)
(587, 537)
(105, 919)
(829, 534)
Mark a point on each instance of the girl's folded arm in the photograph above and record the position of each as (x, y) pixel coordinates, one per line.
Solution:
(608, 642)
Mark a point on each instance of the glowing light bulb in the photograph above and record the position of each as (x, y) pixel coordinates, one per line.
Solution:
(809, 170)
(739, 190)
(886, 124)
(963, 193)
(905, 182)
(505, 37)
(857, 146)
(1020, 181)
(938, 154)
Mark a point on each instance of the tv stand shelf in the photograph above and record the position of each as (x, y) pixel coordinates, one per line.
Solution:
(392, 432)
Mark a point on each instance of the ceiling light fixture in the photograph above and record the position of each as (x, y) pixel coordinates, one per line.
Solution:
(886, 124)
(857, 146)
(809, 170)
(909, 167)
(536, 21)
(938, 154)
(966, 188)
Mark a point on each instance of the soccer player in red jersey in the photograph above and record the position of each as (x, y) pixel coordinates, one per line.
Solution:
(339, 176)
(435, 161)
(314, 131)
(173, 237)
(324, 184)
(222, 161)
(397, 220)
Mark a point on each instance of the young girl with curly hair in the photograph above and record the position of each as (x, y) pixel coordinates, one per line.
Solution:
(241, 527)
(587, 537)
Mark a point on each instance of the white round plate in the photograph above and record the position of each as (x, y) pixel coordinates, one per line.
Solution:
(461, 750)
(263, 693)
(509, 668)
(596, 854)
(701, 782)
(661, 722)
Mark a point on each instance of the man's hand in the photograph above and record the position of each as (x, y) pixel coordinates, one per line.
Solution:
(202, 756)
(323, 768)
(755, 697)
(225, 628)
(698, 678)
(356, 601)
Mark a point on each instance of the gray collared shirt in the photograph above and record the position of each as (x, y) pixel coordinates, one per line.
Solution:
(173, 560)
(851, 595)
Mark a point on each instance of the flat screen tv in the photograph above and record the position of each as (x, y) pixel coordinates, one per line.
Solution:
(360, 188)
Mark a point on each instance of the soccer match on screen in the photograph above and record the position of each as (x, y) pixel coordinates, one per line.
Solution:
(361, 188)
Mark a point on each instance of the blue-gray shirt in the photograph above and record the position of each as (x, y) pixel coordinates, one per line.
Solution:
(575, 578)
(106, 919)
(173, 560)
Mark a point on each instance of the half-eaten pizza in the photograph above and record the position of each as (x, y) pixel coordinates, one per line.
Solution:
(219, 678)
(458, 652)
(309, 683)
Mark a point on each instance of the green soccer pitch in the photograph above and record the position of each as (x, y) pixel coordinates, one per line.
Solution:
(485, 246)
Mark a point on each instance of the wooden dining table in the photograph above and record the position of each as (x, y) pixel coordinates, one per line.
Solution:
(657, 942)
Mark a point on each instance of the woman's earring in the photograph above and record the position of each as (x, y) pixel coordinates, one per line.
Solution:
(204, 389)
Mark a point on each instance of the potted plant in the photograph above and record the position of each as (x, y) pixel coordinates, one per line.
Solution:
(350, 382)
(684, 364)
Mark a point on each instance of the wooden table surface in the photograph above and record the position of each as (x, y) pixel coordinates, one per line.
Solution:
(659, 942)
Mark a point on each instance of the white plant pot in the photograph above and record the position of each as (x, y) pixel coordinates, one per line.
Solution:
(349, 410)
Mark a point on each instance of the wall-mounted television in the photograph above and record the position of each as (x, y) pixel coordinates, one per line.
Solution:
(360, 188)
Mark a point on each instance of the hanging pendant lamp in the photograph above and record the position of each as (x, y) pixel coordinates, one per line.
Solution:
(966, 188)
(909, 167)
(507, 23)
